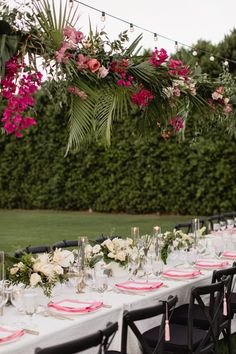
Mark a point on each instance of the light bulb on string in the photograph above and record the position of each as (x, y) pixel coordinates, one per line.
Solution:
(103, 16)
(194, 53)
(71, 3)
(226, 63)
(212, 58)
(155, 37)
(176, 46)
(131, 27)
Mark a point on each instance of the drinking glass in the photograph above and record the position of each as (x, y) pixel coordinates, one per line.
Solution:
(17, 297)
(30, 302)
(157, 267)
(230, 224)
(216, 227)
(101, 281)
(222, 225)
(134, 260)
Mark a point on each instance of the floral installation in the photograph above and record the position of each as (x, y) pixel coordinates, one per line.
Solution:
(101, 80)
(43, 271)
(117, 250)
(173, 240)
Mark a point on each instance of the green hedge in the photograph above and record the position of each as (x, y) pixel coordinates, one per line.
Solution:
(135, 175)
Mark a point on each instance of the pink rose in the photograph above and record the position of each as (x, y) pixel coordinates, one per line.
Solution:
(93, 65)
(102, 72)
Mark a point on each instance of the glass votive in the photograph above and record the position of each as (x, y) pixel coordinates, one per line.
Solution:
(135, 233)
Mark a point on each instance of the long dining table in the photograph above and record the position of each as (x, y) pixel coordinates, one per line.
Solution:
(49, 330)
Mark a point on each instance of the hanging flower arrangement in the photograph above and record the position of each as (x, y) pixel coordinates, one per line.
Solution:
(102, 80)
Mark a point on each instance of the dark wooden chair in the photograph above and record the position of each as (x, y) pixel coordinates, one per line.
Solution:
(154, 341)
(33, 250)
(100, 340)
(66, 244)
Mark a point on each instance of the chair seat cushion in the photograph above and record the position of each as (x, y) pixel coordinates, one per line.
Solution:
(233, 302)
(180, 316)
(178, 337)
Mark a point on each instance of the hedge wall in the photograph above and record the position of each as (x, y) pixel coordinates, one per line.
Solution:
(135, 175)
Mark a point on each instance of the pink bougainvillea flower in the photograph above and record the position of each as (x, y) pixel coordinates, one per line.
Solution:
(177, 123)
(142, 98)
(158, 57)
(93, 65)
(177, 68)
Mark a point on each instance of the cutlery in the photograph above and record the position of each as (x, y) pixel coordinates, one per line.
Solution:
(31, 331)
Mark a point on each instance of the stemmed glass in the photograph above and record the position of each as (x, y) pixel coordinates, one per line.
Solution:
(230, 224)
(133, 260)
(101, 281)
(30, 302)
(17, 296)
(157, 266)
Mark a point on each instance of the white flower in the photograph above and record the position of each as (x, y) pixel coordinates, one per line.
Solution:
(111, 255)
(121, 256)
(88, 251)
(20, 265)
(14, 270)
(43, 258)
(175, 243)
(63, 258)
(47, 269)
(102, 72)
(35, 278)
(108, 243)
(58, 269)
(96, 249)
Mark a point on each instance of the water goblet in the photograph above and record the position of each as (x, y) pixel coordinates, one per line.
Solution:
(230, 224)
(157, 267)
(30, 302)
(101, 283)
(133, 260)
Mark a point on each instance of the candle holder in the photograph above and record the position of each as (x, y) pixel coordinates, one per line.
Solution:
(156, 233)
(135, 233)
(195, 229)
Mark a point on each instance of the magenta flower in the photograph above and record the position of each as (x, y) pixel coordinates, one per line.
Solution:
(177, 123)
(158, 57)
(142, 98)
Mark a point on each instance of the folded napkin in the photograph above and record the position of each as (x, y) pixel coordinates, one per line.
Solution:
(136, 285)
(211, 263)
(229, 254)
(75, 306)
(7, 334)
(181, 273)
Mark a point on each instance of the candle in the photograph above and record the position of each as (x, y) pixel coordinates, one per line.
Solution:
(135, 232)
(156, 230)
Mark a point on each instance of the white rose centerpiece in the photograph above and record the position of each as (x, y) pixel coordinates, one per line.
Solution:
(44, 270)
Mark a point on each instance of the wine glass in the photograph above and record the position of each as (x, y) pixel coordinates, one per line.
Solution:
(134, 260)
(222, 225)
(101, 281)
(157, 267)
(17, 296)
(230, 224)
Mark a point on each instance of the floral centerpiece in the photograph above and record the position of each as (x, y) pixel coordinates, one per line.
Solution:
(117, 250)
(43, 271)
(174, 240)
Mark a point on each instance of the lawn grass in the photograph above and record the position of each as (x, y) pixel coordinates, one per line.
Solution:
(22, 228)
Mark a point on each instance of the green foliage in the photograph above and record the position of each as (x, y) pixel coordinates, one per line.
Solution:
(135, 175)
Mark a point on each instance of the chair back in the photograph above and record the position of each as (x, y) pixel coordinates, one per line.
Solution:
(187, 226)
(33, 250)
(130, 317)
(213, 313)
(101, 339)
(65, 244)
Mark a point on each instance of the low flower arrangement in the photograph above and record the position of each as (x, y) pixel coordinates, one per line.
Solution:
(43, 271)
(117, 250)
(174, 240)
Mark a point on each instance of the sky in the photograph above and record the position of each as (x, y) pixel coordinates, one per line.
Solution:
(184, 21)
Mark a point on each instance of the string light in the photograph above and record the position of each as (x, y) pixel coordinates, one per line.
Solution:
(103, 16)
(156, 35)
(226, 63)
(212, 58)
(176, 46)
(71, 2)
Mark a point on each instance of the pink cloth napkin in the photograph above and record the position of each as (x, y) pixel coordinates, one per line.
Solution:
(136, 285)
(229, 254)
(211, 263)
(7, 334)
(70, 305)
(181, 273)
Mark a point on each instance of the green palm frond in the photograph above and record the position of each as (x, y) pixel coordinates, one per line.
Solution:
(53, 22)
(133, 46)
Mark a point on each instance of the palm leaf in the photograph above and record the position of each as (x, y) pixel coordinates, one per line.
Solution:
(129, 51)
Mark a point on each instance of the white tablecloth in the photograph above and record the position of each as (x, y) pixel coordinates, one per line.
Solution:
(54, 331)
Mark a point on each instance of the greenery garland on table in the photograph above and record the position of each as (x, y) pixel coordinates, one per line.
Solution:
(102, 80)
